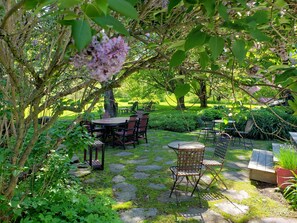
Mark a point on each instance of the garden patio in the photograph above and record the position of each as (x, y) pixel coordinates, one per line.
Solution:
(139, 181)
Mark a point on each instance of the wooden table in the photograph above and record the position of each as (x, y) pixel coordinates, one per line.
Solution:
(185, 144)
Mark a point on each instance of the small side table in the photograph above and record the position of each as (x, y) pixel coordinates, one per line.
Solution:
(97, 146)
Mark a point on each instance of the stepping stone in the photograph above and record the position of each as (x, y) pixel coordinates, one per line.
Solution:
(171, 162)
(203, 215)
(137, 215)
(158, 158)
(148, 168)
(80, 172)
(137, 161)
(165, 147)
(238, 195)
(116, 168)
(237, 176)
(124, 154)
(74, 159)
(118, 179)
(238, 165)
(274, 220)
(90, 181)
(181, 196)
(157, 186)
(124, 192)
(233, 208)
(141, 175)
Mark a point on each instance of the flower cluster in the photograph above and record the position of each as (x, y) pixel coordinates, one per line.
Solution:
(103, 58)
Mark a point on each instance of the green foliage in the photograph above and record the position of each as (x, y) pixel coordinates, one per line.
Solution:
(177, 121)
(210, 114)
(290, 192)
(56, 198)
(287, 157)
(268, 123)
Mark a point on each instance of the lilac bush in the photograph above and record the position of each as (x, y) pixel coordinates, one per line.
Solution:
(103, 58)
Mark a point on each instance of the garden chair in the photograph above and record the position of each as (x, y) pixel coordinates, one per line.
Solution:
(134, 107)
(91, 130)
(126, 134)
(215, 163)
(207, 131)
(141, 129)
(242, 135)
(189, 165)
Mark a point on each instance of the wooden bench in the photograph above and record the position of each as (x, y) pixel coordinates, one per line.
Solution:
(261, 166)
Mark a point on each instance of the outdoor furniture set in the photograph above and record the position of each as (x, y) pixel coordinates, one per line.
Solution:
(192, 164)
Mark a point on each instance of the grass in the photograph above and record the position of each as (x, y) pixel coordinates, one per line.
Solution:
(156, 152)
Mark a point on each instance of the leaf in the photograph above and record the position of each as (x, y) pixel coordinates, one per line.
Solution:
(293, 105)
(65, 4)
(223, 12)
(195, 38)
(181, 90)
(177, 58)
(209, 6)
(102, 5)
(111, 22)
(216, 45)
(124, 8)
(258, 35)
(172, 4)
(239, 51)
(177, 45)
(203, 60)
(92, 10)
(191, 2)
(260, 17)
(81, 33)
(285, 75)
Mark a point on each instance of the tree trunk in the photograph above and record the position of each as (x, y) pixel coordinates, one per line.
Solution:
(202, 94)
(110, 105)
(181, 103)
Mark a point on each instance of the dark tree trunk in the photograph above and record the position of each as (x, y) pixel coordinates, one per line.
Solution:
(202, 94)
(110, 105)
(181, 103)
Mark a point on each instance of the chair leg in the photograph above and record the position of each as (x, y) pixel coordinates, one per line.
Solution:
(215, 177)
(173, 187)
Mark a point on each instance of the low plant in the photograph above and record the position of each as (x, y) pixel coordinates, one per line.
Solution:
(290, 193)
(287, 157)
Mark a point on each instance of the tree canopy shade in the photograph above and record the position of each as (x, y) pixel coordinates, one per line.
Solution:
(247, 43)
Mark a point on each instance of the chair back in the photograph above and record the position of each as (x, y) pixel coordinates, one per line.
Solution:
(87, 125)
(249, 125)
(208, 124)
(133, 117)
(189, 159)
(134, 107)
(221, 146)
(143, 123)
(130, 127)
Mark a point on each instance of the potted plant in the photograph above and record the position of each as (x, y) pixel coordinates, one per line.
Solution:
(287, 164)
(290, 193)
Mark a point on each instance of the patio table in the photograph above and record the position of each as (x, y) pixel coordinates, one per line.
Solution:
(109, 124)
(220, 122)
(185, 144)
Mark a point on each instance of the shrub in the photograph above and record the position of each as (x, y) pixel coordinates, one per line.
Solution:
(290, 192)
(176, 121)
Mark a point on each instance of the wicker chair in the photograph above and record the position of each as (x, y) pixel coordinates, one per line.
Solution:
(189, 165)
(215, 164)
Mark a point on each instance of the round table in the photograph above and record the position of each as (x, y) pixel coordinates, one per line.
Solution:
(185, 144)
(111, 121)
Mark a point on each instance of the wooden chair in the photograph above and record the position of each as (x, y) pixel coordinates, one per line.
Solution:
(215, 164)
(189, 165)
(141, 128)
(126, 134)
(134, 107)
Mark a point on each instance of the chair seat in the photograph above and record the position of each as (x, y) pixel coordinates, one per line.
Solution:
(211, 162)
(183, 173)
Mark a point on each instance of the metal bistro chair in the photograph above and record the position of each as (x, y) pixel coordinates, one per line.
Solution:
(242, 135)
(215, 164)
(189, 165)
(141, 129)
(207, 131)
(126, 134)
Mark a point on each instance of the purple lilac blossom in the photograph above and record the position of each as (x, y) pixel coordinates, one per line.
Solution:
(104, 58)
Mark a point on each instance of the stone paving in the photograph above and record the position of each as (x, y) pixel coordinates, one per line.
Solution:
(125, 191)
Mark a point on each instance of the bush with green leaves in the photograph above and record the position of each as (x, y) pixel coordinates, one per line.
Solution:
(269, 124)
(290, 192)
(176, 121)
(54, 197)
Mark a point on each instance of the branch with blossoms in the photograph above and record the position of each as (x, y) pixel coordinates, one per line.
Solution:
(103, 58)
